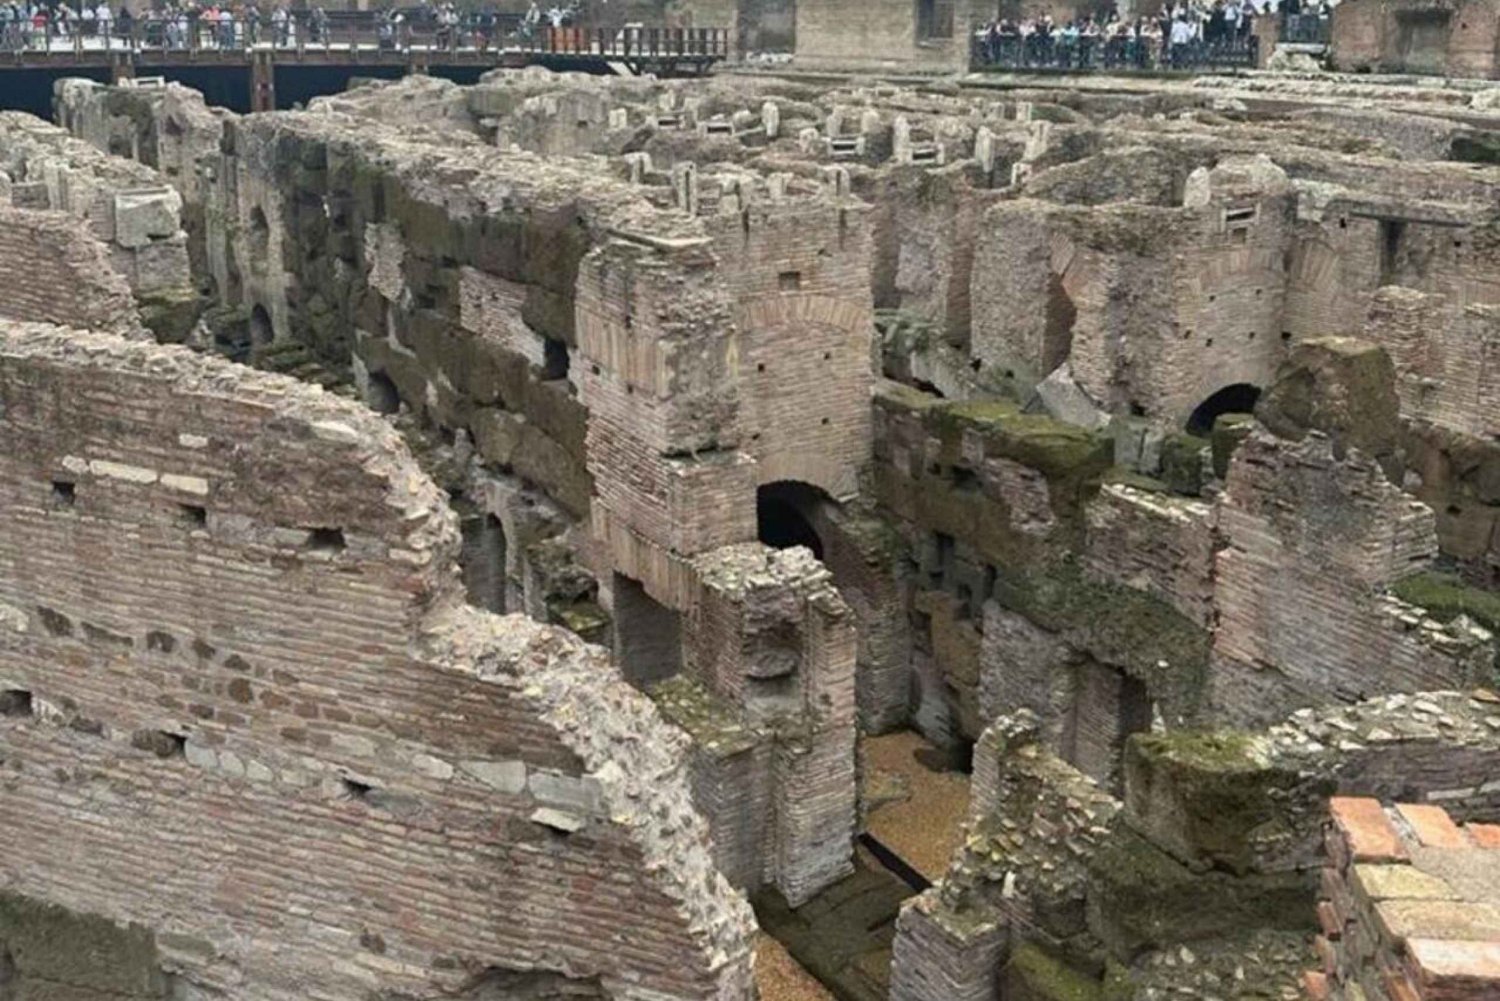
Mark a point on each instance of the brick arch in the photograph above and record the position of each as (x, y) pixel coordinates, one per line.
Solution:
(805, 376)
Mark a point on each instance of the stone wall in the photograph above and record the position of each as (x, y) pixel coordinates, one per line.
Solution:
(1303, 610)
(1062, 891)
(1400, 36)
(236, 632)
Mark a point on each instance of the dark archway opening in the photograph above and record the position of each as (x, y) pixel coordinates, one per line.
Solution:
(261, 331)
(783, 515)
(381, 395)
(1236, 399)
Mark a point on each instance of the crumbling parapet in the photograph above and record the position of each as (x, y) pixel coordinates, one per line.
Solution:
(1208, 854)
(769, 633)
(47, 253)
(128, 206)
(361, 739)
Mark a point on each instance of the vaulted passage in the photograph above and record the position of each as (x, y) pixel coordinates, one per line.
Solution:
(783, 515)
(1236, 399)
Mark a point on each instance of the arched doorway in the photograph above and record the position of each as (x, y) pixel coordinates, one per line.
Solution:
(261, 331)
(1236, 399)
(785, 513)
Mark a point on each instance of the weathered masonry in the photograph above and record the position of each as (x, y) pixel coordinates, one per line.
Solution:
(247, 711)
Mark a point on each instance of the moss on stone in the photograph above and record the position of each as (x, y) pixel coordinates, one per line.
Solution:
(714, 725)
(57, 953)
(170, 314)
(1211, 750)
(1229, 430)
(1130, 478)
(1182, 463)
(1446, 597)
(1144, 635)
(585, 618)
(1142, 898)
(1034, 975)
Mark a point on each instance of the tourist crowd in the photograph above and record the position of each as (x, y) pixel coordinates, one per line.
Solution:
(184, 24)
(1182, 34)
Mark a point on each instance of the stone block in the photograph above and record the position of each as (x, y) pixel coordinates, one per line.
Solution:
(145, 215)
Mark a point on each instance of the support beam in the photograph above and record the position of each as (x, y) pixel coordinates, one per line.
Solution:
(262, 80)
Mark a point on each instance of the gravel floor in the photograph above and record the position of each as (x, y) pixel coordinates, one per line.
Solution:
(780, 978)
(924, 827)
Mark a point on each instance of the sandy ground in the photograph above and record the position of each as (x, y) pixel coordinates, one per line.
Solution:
(924, 827)
(779, 976)
(921, 820)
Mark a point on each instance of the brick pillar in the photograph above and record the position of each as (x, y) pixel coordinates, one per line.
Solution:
(262, 80)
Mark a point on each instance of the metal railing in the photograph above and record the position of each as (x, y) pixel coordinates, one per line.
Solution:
(1305, 29)
(304, 31)
(1092, 53)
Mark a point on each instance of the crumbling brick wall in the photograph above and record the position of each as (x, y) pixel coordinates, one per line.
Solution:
(246, 707)
(1303, 611)
(57, 273)
(1211, 851)
(128, 207)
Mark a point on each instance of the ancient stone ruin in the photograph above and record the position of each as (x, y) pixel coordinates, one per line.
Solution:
(564, 537)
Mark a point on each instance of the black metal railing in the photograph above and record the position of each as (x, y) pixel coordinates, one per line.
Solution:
(1083, 53)
(302, 31)
(1305, 29)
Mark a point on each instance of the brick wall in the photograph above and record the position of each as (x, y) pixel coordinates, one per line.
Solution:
(1305, 592)
(1408, 906)
(59, 273)
(127, 205)
(260, 720)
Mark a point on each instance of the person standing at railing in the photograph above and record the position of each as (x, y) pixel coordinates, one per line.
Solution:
(1088, 42)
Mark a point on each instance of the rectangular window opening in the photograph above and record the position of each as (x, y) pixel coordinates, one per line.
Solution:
(15, 702)
(327, 540)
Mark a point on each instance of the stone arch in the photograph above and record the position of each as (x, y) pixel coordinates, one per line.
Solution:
(1236, 398)
(784, 515)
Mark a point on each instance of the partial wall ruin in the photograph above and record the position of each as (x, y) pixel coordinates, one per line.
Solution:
(238, 670)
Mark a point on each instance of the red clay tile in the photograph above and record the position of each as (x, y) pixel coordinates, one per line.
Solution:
(1484, 835)
(1366, 829)
(1456, 968)
(1315, 985)
(1432, 825)
(1328, 918)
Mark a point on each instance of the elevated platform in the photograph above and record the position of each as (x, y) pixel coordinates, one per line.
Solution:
(150, 46)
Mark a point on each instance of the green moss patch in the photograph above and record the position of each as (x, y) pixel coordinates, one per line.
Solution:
(1446, 597)
(1034, 975)
(1119, 625)
(57, 953)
